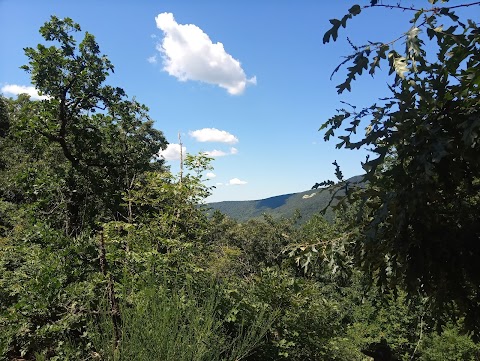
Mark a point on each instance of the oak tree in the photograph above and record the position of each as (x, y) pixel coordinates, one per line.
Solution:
(105, 138)
(420, 225)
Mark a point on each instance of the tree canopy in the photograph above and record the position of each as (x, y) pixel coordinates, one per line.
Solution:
(101, 139)
(419, 220)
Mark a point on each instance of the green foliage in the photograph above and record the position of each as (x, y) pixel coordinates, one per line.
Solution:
(178, 325)
(34, 174)
(261, 242)
(307, 316)
(449, 345)
(65, 164)
(51, 282)
(47, 282)
(257, 274)
(392, 319)
(322, 250)
(421, 227)
(106, 255)
(4, 121)
(100, 139)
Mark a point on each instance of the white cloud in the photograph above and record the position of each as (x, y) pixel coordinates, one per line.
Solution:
(152, 59)
(219, 184)
(220, 153)
(236, 182)
(189, 54)
(213, 135)
(211, 175)
(172, 152)
(215, 153)
(21, 89)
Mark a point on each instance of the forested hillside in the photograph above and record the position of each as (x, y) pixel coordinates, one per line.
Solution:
(304, 204)
(106, 254)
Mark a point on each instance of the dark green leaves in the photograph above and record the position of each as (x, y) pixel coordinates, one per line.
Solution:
(355, 10)
(105, 138)
(422, 201)
(333, 32)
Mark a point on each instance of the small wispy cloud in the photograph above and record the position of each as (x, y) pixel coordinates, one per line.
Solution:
(211, 175)
(189, 54)
(14, 89)
(220, 153)
(172, 152)
(236, 182)
(215, 153)
(152, 59)
(213, 135)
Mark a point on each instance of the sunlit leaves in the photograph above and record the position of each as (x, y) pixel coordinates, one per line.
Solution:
(398, 64)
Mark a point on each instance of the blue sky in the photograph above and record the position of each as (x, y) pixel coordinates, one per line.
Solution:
(255, 101)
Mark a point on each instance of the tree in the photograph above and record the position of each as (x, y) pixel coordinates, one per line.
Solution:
(66, 162)
(420, 224)
(106, 139)
(3, 117)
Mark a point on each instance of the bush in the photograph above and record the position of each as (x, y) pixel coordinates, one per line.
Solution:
(449, 345)
(47, 283)
(176, 325)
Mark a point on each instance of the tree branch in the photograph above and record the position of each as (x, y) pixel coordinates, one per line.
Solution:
(434, 9)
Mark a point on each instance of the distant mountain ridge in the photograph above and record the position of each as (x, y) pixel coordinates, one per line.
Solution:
(307, 203)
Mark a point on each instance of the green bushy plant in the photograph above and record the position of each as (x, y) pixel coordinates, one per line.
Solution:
(47, 282)
(450, 345)
(177, 324)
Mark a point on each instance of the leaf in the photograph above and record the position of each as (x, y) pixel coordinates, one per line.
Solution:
(355, 10)
(333, 32)
(450, 14)
(399, 64)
